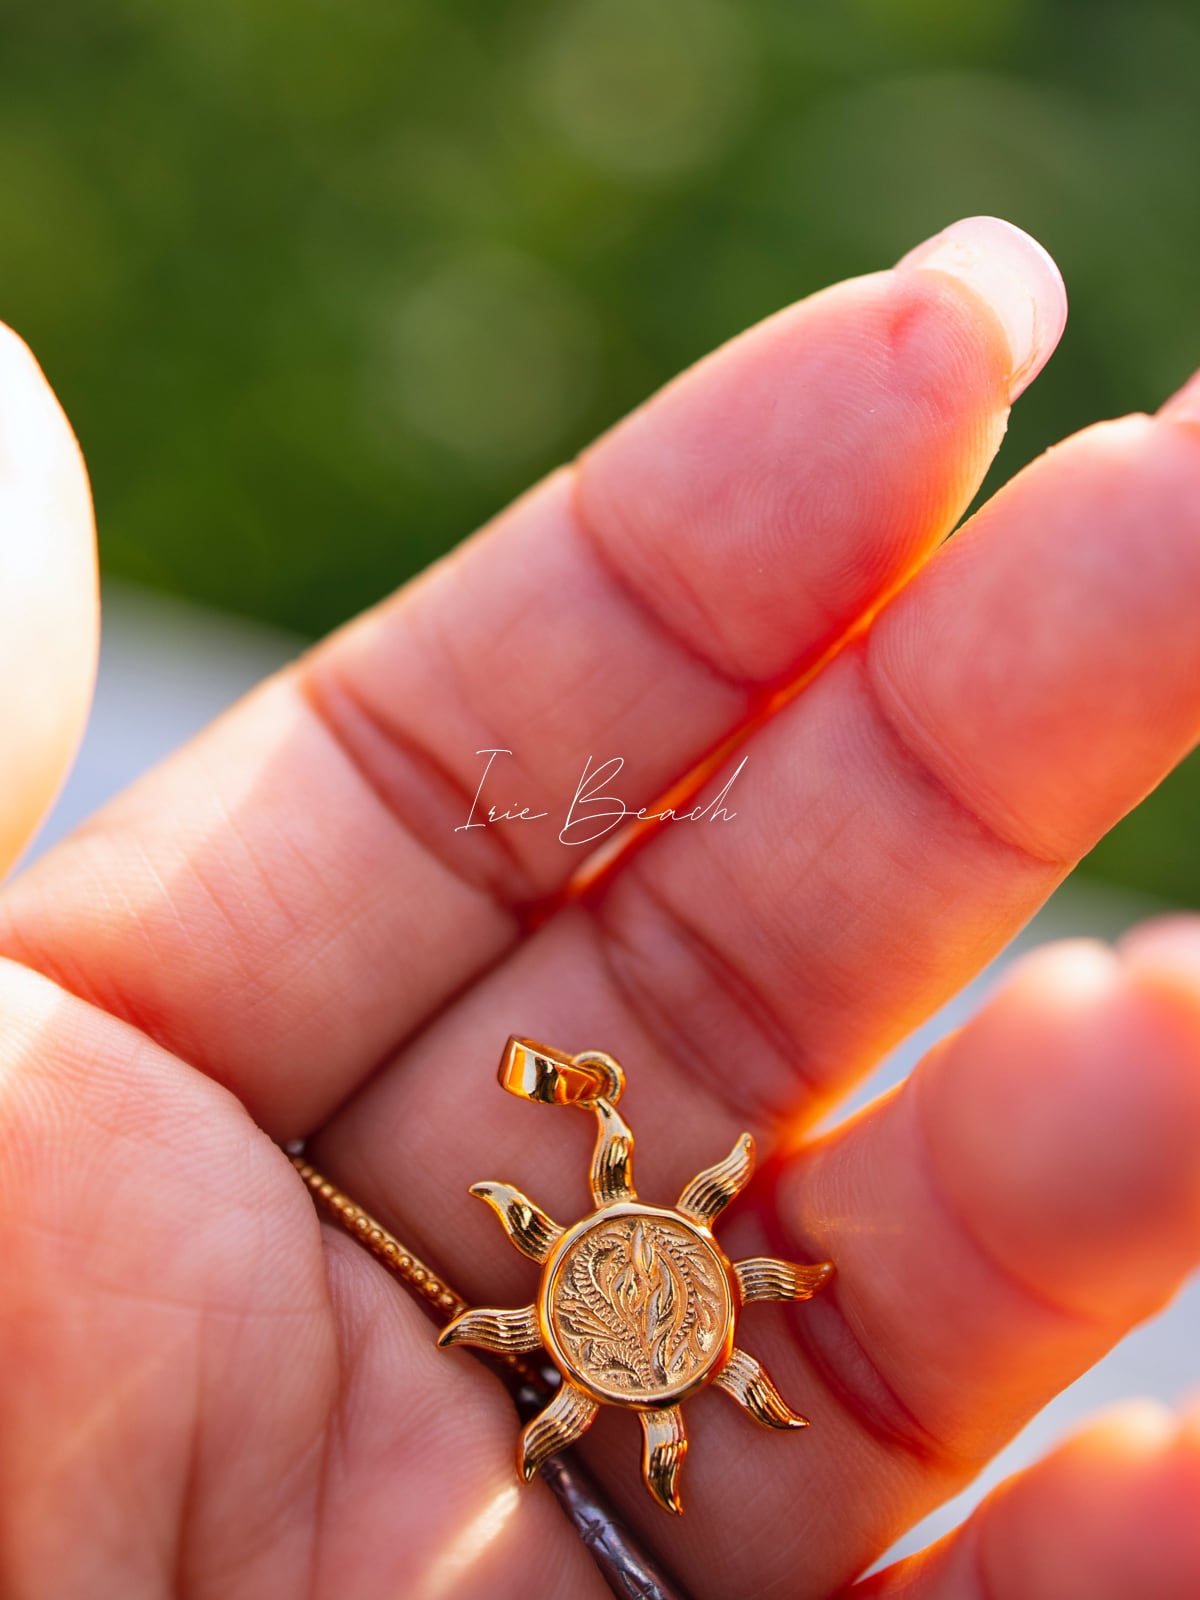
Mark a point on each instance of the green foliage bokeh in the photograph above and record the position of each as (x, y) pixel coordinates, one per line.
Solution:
(323, 283)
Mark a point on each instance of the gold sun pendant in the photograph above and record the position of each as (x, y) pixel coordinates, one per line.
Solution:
(638, 1304)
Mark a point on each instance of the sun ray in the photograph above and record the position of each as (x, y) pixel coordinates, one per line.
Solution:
(766, 1278)
(527, 1225)
(664, 1445)
(506, 1333)
(751, 1386)
(710, 1191)
(612, 1163)
(567, 1418)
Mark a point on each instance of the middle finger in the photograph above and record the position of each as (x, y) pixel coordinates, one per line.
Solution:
(909, 812)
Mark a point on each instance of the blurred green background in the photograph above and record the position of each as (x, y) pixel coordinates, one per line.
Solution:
(323, 283)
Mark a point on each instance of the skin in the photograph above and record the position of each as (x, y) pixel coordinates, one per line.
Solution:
(279, 934)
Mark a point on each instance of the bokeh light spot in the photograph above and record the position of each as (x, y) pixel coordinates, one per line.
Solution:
(645, 87)
(493, 357)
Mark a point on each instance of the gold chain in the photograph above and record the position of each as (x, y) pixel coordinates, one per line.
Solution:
(421, 1280)
(384, 1246)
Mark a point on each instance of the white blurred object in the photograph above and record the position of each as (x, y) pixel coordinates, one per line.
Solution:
(167, 668)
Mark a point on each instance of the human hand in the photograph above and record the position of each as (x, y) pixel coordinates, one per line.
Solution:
(285, 929)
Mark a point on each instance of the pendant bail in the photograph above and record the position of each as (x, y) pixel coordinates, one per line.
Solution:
(534, 1071)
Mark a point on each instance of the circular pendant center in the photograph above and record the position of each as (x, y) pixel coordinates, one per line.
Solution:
(638, 1307)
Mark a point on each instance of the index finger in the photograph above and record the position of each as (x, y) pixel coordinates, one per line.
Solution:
(287, 900)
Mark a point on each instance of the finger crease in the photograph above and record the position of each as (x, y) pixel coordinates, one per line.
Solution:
(841, 1360)
(667, 1022)
(388, 762)
(920, 765)
(652, 620)
(955, 1222)
(980, 1566)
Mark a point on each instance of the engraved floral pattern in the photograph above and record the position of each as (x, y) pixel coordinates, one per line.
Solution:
(639, 1305)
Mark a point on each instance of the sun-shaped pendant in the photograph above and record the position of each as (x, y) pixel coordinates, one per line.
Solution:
(638, 1304)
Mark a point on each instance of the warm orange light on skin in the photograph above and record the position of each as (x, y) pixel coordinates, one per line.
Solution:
(621, 843)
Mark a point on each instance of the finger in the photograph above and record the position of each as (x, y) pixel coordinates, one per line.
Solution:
(750, 971)
(147, 1277)
(1111, 1514)
(1000, 1221)
(49, 619)
(903, 818)
(818, 459)
(197, 1396)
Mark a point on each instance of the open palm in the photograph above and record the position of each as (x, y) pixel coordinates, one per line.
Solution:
(287, 932)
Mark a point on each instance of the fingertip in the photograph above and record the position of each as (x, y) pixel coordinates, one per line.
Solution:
(1014, 275)
(1064, 974)
(1108, 1514)
(1130, 1431)
(1111, 1513)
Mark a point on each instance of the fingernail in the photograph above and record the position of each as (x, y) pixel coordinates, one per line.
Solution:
(1184, 404)
(1017, 279)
